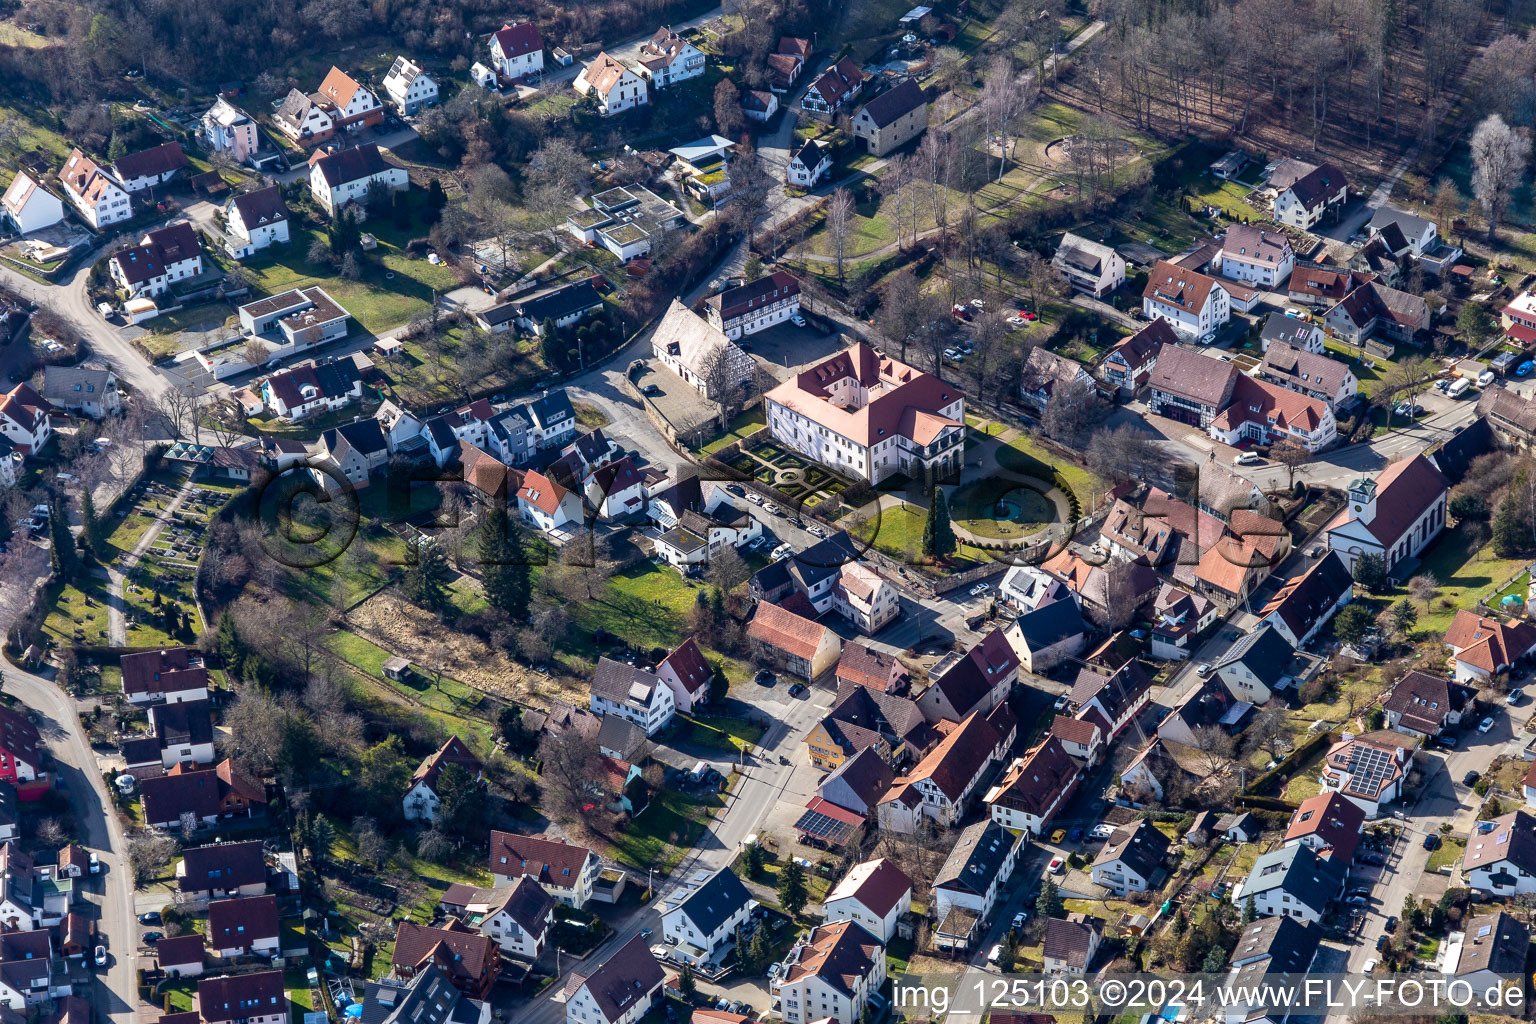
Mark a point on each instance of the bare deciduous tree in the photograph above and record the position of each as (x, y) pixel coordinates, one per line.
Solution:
(1499, 155)
(839, 210)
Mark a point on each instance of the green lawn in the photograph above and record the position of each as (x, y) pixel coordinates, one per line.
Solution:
(79, 615)
(665, 830)
(1447, 854)
(646, 605)
(743, 425)
(1024, 455)
(1465, 576)
(899, 533)
(724, 733)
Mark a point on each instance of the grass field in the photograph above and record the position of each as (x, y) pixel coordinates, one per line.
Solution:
(741, 427)
(1465, 575)
(647, 605)
(665, 830)
(1032, 459)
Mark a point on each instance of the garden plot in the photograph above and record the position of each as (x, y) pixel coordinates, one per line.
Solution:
(804, 484)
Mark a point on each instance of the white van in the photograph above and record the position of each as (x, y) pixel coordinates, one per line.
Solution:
(1459, 388)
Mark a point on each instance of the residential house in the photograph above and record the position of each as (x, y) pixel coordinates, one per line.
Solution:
(10, 828)
(1110, 698)
(179, 799)
(1083, 738)
(613, 85)
(1318, 377)
(1046, 374)
(1071, 944)
(1189, 387)
(1179, 618)
(518, 918)
(30, 898)
(1329, 823)
(225, 128)
(547, 505)
(941, 784)
(687, 674)
(305, 118)
(1304, 604)
(701, 353)
(861, 665)
(1368, 770)
(1045, 637)
(20, 748)
(617, 489)
(699, 534)
(1267, 413)
(1406, 236)
(1257, 665)
(1193, 304)
(421, 801)
(632, 693)
(1512, 417)
(870, 417)
(1131, 859)
(245, 927)
(1303, 202)
(1027, 587)
(563, 306)
(1501, 860)
(1090, 267)
(82, 390)
(1374, 308)
(352, 452)
(892, 118)
(565, 871)
(700, 921)
(254, 221)
(429, 997)
(833, 89)
(517, 51)
(553, 418)
(351, 106)
(865, 719)
(184, 730)
(966, 888)
(151, 167)
(1519, 319)
(809, 165)
(344, 179)
(1292, 881)
(409, 86)
(164, 257)
(874, 894)
(977, 680)
(1297, 332)
(471, 961)
(797, 644)
(100, 198)
(258, 998)
(1028, 795)
(759, 105)
(833, 973)
(1395, 516)
(29, 206)
(667, 58)
(754, 306)
(1268, 946)
(1493, 948)
(1128, 365)
(786, 63)
(302, 391)
(1424, 705)
(1483, 647)
(621, 990)
(1208, 705)
(1255, 256)
(1163, 767)
(222, 870)
(858, 784)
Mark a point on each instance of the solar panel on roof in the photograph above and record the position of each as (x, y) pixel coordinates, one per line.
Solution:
(814, 823)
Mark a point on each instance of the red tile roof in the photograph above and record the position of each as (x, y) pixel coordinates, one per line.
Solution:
(784, 630)
(878, 884)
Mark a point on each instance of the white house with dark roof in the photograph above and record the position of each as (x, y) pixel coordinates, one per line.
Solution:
(808, 165)
(698, 921)
(1027, 796)
(687, 674)
(617, 489)
(1293, 331)
(1255, 256)
(1302, 201)
(100, 198)
(754, 306)
(517, 50)
(1305, 603)
(254, 221)
(966, 887)
(632, 693)
(162, 258)
(1090, 267)
(874, 894)
(870, 417)
(29, 206)
(833, 89)
(518, 918)
(759, 104)
(409, 86)
(83, 390)
(1316, 376)
(564, 870)
(1502, 860)
(1292, 881)
(1130, 859)
(621, 990)
(833, 972)
(1397, 515)
(1368, 770)
(1193, 304)
(1070, 944)
(1493, 948)
(348, 176)
(151, 167)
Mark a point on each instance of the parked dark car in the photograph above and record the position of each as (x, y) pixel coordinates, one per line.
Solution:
(1431, 842)
(1470, 778)
(153, 917)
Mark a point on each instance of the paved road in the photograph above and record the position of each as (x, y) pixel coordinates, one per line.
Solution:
(628, 50)
(112, 892)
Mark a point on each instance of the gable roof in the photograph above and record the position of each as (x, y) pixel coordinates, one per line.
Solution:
(1423, 700)
(838, 81)
(902, 399)
(1512, 838)
(1146, 343)
(869, 667)
(1184, 289)
(516, 40)
(1034, 782)
(1404, 490)
(1070, 939)
(712, 904)
(339, 87)
(155, 161)
(1309, 879)
(167, 797)
(1497, 942)
(604, 73)
(1317, 186)
(541, 492)
(239, 996)
(630, 973)
(865, 773)
(877, 884)
(977, 672)
(1303, 600)
(1190, 375)
(161, 671)
(1050, 624)
(624, 683)
(222, 866)
(263, 206)
(894, 104)
(453, 751)
(1333, 818)
(454, 948)
(1251, 244)
(781, 628)
(240, 922)
(549, 861)
(687, 662)
(743, 299)
(353, 164)
(1487, 643)
(1307, 370)
(1324, 282)
(1140, 847)
(1276, 945)
(366, 437)
(976, 860)
(576, 297)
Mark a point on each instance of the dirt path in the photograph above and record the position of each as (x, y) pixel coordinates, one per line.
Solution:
(117, 622)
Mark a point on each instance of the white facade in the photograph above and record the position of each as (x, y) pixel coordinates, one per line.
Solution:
(246, 239)
(31, 207)
(517, 51)
(332, 198)
(657, 712)
(875, 462)
(409, 87)
(614, 85)
(100, 199)
(798, 173)
(228, 129)
(679, 928)
(1215, 312)
(687, 61)
(812, 997)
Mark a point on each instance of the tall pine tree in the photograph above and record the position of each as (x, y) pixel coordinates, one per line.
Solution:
(504, 570)
(63, 559)
(90, 529)
(938, 534)
(426, 582)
